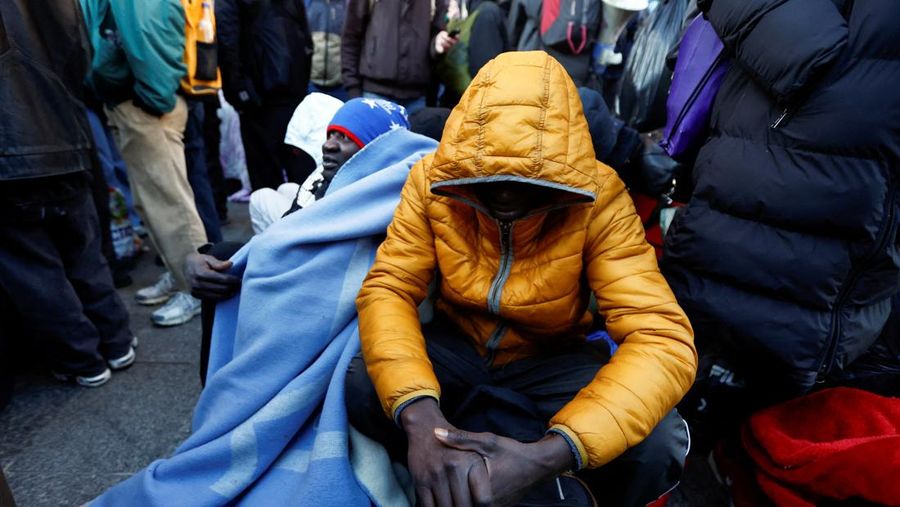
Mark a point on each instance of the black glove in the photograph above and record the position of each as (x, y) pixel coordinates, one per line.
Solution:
(649, 170)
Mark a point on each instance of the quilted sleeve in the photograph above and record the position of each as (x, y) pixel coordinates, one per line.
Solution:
(389, 329)
(656, 361)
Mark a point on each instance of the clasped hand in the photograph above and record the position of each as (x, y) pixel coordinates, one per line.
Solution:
(209, 278)
(452, 467)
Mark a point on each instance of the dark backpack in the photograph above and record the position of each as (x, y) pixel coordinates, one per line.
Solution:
(570, 25)
(522, 25)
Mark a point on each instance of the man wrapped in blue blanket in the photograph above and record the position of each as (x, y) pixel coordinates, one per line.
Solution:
(270, 428)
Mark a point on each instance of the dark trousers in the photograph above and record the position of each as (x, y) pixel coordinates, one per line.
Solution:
(60, 289)
(222, 251)
(488, 38)
(262, 130)
(8, 333)
(197, 169)
(6, 498)
(100, 193)
(213, 138)
(517, 401)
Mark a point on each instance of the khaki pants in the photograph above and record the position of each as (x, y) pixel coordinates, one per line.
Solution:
(153, 150)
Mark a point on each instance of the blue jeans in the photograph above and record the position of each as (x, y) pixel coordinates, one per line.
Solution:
(197, 172)
(114, 169)
(411, 105)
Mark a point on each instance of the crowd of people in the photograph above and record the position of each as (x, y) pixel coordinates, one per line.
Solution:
(523, 280)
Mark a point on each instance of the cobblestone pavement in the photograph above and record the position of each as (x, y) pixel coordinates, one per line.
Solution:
(63, 445)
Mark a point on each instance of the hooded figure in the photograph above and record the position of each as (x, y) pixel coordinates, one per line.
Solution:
(513, 298)
(329, 132)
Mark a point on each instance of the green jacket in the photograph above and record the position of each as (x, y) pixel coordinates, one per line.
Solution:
(138, 51)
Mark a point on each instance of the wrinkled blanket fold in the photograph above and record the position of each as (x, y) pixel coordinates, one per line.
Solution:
(271, 428)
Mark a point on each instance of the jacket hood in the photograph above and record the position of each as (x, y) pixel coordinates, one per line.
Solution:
(306, 130)
(520, 120)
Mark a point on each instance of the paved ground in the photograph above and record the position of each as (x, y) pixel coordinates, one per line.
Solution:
(62, 445)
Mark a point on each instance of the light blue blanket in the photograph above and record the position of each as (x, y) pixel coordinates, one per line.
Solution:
(271, 427)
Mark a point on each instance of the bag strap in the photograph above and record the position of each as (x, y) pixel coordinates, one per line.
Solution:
(580, 48)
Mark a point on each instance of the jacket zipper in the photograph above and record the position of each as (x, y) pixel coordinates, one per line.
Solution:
(494, 340)
(781, 120)
(496, 290)
(827, 364)
(503, 271)
(786, 114)
(695, 93)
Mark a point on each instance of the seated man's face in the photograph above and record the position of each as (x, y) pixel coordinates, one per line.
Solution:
(510, 200)
(337, 149)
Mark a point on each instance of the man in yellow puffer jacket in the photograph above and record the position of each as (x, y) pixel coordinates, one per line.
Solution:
(517, 225)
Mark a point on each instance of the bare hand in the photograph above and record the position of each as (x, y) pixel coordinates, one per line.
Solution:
(513, 467)
(208, 278)
(443, 42)
(444, 477)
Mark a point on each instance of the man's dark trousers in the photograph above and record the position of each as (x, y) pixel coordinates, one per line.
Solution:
(56, 279)
(212, 136)
(195, 153)
(222, 251)
(268, 159)
(517, 400)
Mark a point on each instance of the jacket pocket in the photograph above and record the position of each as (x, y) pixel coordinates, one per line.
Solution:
(369, 64)
(207, 61)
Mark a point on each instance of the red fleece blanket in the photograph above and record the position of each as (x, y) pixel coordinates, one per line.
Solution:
(837, 444)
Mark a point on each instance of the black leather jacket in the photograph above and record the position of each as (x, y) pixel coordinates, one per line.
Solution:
(44, 129)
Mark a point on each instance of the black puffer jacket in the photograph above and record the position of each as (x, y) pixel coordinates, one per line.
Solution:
(789, 246)
(44, 129)
(265, 51)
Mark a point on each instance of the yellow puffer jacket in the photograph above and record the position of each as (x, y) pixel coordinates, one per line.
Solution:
(512, 286)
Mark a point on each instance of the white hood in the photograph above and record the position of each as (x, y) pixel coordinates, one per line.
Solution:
(306, 130)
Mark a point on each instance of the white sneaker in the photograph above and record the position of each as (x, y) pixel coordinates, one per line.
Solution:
(125, 361)
(181, 308)
(160, 292)
(94, 381)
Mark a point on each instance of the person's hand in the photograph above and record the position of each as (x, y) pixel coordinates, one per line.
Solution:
(208, 278)
(513, 467)
(443, 42)
(444, 476)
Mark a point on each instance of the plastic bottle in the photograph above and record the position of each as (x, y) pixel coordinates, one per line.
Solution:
(207, 29)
